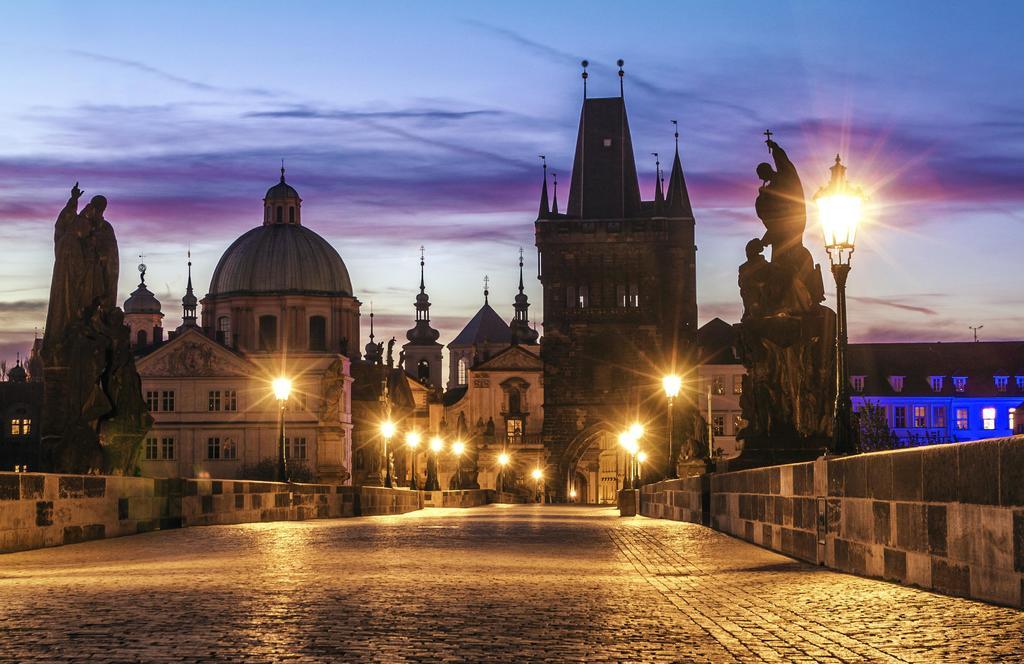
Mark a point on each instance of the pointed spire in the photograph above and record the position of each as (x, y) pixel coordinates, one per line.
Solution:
(189, 302)
(520, 269)
(423, 286)
(659, 195)
(554, 208)
(421, 333)
(585, 64)
(487, 292)
(282, 170)
(520, 326)
(622, 75)
(371, 320)
(544, 209)
(678, 197)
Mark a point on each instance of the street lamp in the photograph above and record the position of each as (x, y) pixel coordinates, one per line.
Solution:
(641, 459)
(387, 430)
(671, 384)
(412, 440)
(839, 211)
(436, 445)
(458, 448)
(282, 390)
(503, 460)
(538, 475)
(629, 443)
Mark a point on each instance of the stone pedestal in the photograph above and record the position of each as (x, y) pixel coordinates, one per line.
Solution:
(629, 502)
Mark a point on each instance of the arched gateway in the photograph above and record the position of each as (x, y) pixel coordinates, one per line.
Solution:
(593, 466)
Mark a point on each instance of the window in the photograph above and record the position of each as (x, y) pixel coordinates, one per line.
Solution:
(230, 400)
(317, 333)
(167, 447)
(920, 417)
(280, 214)
(718, 385)
(897, 383)
(1001, 383)
(140, 338)
(939, 417)
(291, 214)
(737, 422)
(268, 333)
(899, 417)
(224, 330)
(151, 449)
(583, 300)
(423, 371)
(1011, 417)
(962, 421)
(228, 450)
(21, 426)
(462, 371)
(213, 448)
(737, 384)
(959, 383)
(718, 425)
(607, 142)
(620, 296)
(857, 382)
(514, 402)
(514, 430)
(167, 401)
(988, 418)
(634, 296)
(296, 447)
(936, 383)
(214, 401)
(152, 401)
(1020, 382)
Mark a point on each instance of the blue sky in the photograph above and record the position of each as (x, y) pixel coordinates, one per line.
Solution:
(420, 123)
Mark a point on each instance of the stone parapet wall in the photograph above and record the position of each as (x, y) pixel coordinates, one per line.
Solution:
(221, 502)
(678, 500)
(378, 500)
(461, 498)
(949, 518)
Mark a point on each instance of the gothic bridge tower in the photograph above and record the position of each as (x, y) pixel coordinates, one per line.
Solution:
(620, 309)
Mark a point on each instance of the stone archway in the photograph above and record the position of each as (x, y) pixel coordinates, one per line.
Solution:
(593, 463)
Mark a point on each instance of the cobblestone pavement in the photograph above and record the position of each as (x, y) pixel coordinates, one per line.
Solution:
(522, 583)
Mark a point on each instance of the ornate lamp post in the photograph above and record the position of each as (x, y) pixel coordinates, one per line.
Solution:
(671, 384)
(436, 445)
(538, 475)
(387, 430)
(839, 210)
(282, 390)
(641, 459)
(458, 448)
(412, 440)
(628, 441)
(503, 460)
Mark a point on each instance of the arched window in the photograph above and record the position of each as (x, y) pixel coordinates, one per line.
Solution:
(291, 214)
(423, 371)
(140, 338)
(317, 333)
(462, 371)
(514, 402)
(224, 330)
(268, 333)
(280, 214)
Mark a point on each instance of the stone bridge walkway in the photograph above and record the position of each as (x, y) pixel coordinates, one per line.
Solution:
(494, 583)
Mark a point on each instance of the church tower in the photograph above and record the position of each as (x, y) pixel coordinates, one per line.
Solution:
(142, 314)
(522, 333)
(422, 352)
(619, 282)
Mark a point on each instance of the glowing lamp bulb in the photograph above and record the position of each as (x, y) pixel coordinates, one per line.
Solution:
(412, 439)
(672, 384)
(636, 430)
(458, 447)
(642, 457)
(387, 429)
(537, 474)
(282, 388)
(572, 493)
(503, 459)
(436, 445)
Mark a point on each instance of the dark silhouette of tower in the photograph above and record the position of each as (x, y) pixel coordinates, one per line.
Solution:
(619, 283)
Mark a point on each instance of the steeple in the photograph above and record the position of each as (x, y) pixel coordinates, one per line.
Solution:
(422, 333)
(282, 204)
(189, 301)
(659, 196)
(487, 292)
(372, 353)
(678, 198)
(554, 208)
(544, 208)
(520, 328)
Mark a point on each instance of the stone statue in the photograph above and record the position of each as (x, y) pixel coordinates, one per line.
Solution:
(94, 416)
(786, 337)
(332, 387)
(391, 353)
(401, 359)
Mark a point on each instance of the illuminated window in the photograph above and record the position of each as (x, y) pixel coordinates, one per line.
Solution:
(899, 417)
(857, 382)
(936, 383)
(1010, 419)
(718, 385)
(230, 400)
(962, 421)
(988, 418)
(737, 384)
(514, 431)
(959, 383)
(897, 383)
(737, 422)
(634, 296)
(214, 401)
(152, 401)
(718, 424)
(1020, 382)
(1001, 383)
(939, 417)
(167, 401)
(296, 447)
(920, 416)
(583, 299)
(462, 372)
(151, 449)
(213, 448)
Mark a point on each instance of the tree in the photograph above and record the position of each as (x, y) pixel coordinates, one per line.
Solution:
(871, 427)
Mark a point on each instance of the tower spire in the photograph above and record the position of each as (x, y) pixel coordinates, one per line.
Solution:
(544, 210)
(520, 269)
(585, 64)
(487, 292)
(622, 76)
(554, 208)
(520, 326)
(282, 170)
(189, 302)
(678, 197)
(423, 286)
(659, 195)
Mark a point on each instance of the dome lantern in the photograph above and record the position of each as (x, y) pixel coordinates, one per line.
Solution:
(282, 204)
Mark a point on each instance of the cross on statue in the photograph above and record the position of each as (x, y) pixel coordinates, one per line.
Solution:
(768, 137)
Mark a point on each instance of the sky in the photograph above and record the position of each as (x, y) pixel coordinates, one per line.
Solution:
(405, 124)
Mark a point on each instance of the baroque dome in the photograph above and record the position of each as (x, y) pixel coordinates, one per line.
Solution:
(279, 258)
(141, 301)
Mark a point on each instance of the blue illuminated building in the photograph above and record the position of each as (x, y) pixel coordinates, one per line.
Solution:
(941, 392)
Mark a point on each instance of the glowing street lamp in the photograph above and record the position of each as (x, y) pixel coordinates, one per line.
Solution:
(503, 460)
(672, 384)
(538, 475)
(282, 388)
(628, 441)
(641, 459)
(387, 431)
(458, 449)
(840, 207)
(436, 445)
(412, 441)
